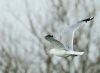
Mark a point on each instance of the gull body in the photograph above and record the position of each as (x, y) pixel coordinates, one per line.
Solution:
(64, 53)
(59, 49)
(65, 48)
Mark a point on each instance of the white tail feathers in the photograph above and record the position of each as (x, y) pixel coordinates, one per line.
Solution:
(74, 53)
(60, 52)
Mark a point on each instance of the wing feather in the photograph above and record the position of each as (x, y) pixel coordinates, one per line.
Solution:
(67, 35)
(56, 44)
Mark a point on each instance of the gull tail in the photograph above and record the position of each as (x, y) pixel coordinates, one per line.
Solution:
(74, 53)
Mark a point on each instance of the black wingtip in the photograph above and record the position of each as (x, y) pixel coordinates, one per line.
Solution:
(88, 19)
(49, 36)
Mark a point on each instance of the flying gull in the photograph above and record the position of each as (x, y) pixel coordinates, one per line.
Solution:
(66, 48)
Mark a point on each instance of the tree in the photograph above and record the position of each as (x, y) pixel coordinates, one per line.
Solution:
(24, 23)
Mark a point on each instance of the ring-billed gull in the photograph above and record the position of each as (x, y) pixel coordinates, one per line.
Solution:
(65, 49)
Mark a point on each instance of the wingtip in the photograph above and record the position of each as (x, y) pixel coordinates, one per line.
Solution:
(91, 18)
(87, 19)
(48, 36)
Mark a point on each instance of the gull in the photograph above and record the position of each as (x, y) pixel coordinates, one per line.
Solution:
(65, 49)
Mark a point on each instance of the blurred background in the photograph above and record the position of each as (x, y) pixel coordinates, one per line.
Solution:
(24, 23)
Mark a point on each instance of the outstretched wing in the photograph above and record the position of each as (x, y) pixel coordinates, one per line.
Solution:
(56, 44)
(67, 34)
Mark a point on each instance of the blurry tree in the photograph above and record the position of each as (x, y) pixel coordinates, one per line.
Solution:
(24, 23)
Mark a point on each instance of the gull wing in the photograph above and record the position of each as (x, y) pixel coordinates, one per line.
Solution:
(67, 34)
(56, 44)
